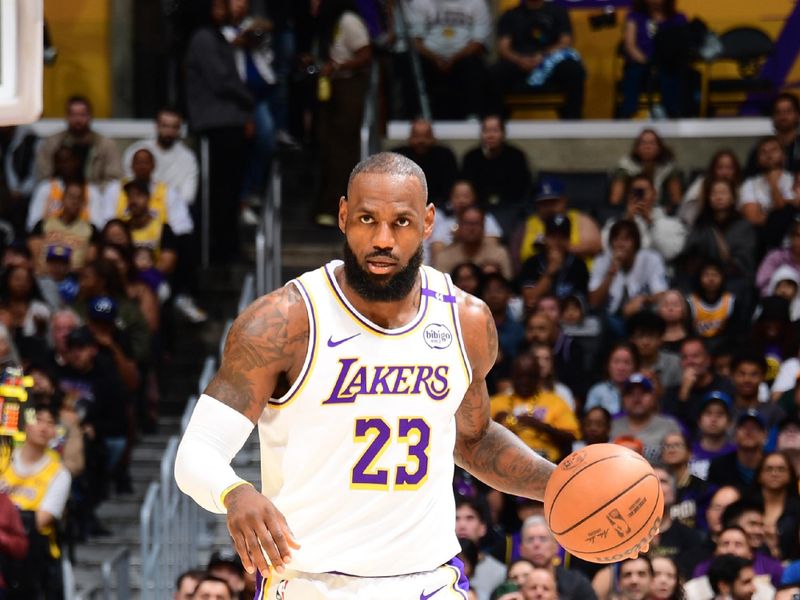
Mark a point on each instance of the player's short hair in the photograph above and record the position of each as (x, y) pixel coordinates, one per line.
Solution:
(389, 163)
(726, 568)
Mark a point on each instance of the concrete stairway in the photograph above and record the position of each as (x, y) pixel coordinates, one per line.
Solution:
(306, 246)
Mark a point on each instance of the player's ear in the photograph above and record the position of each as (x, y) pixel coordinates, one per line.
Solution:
(342, 213)
(430, 215)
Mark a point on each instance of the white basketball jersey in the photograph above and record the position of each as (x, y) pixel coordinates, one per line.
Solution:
(358, 454)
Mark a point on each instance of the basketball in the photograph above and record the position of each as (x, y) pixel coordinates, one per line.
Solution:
(604, 503)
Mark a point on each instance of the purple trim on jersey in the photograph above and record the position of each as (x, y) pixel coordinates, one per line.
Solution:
(457, 326)
(260, 582)
(369, 324)
(462, 583)
(312, 341)
(438, 295)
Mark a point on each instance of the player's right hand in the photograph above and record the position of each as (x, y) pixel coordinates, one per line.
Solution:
(255, 524)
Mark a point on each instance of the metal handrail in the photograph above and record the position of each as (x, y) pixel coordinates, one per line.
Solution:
(117, 567)
(268, 237)
(205, 203)
(206, 375)
(248, 293)
(369, 124)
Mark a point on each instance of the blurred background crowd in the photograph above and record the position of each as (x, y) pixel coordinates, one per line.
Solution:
(660, 310)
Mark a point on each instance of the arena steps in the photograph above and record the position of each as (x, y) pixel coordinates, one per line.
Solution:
(218, 294)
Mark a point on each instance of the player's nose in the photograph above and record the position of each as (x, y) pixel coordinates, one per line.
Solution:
(383, 236)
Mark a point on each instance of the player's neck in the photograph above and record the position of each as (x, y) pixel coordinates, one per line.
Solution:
(389, 315)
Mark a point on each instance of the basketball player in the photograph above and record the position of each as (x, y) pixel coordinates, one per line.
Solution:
(367, 382)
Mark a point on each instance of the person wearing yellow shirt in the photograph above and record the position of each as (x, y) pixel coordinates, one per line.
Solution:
(541, 419)
(38, 484)
(550, 199)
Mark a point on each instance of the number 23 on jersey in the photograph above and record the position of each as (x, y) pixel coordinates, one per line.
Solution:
(377, 434)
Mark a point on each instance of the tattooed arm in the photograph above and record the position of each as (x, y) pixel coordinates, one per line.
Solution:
(485, 448)
(266, 345)
(264, 351)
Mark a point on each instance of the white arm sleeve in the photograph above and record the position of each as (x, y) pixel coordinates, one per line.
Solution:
(214, 435)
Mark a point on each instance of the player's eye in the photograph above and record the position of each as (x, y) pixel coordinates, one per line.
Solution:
(366, 219)
(403, 222)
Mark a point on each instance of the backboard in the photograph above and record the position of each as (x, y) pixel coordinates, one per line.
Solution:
(21, 49)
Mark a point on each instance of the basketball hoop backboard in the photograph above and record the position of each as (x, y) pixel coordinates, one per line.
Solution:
(21, 60)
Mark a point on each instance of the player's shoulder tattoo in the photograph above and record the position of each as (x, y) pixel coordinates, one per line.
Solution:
(267, 339)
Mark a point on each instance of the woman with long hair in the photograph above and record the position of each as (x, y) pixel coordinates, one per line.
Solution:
(23, 310)
(667, 584)
(721, 234)
(135, 289)
(724, 164)
(777, 487)
(649, 156)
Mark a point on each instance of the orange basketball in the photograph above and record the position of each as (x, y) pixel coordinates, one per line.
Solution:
(604, 503)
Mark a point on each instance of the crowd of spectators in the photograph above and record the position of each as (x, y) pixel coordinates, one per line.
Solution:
(664, 319)
(96, 263)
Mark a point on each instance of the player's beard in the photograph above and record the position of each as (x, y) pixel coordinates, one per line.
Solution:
(378, 288)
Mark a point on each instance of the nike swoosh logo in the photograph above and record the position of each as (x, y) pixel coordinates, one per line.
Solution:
(332, 344)
(424, 596)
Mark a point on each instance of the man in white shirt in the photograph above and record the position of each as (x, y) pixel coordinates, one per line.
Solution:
(451, 37)
(176, 165)
(626, 279)
(144, 166)
(769, 191)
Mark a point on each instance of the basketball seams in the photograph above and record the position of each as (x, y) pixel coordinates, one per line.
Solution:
(645, 524)
(600, 508)
(564, 484)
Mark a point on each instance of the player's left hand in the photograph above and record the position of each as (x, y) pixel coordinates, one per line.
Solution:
(258, 527)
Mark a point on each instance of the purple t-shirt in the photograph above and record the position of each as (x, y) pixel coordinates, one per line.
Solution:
(646, 29)
(762, 565)
(701, 458)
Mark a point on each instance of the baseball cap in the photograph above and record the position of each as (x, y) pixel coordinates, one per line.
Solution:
(751, 414)
(717, 396)
(638, 379)
(558, 224)
(58, 252)
(549, 188)
(102, 308)
(225, 557)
